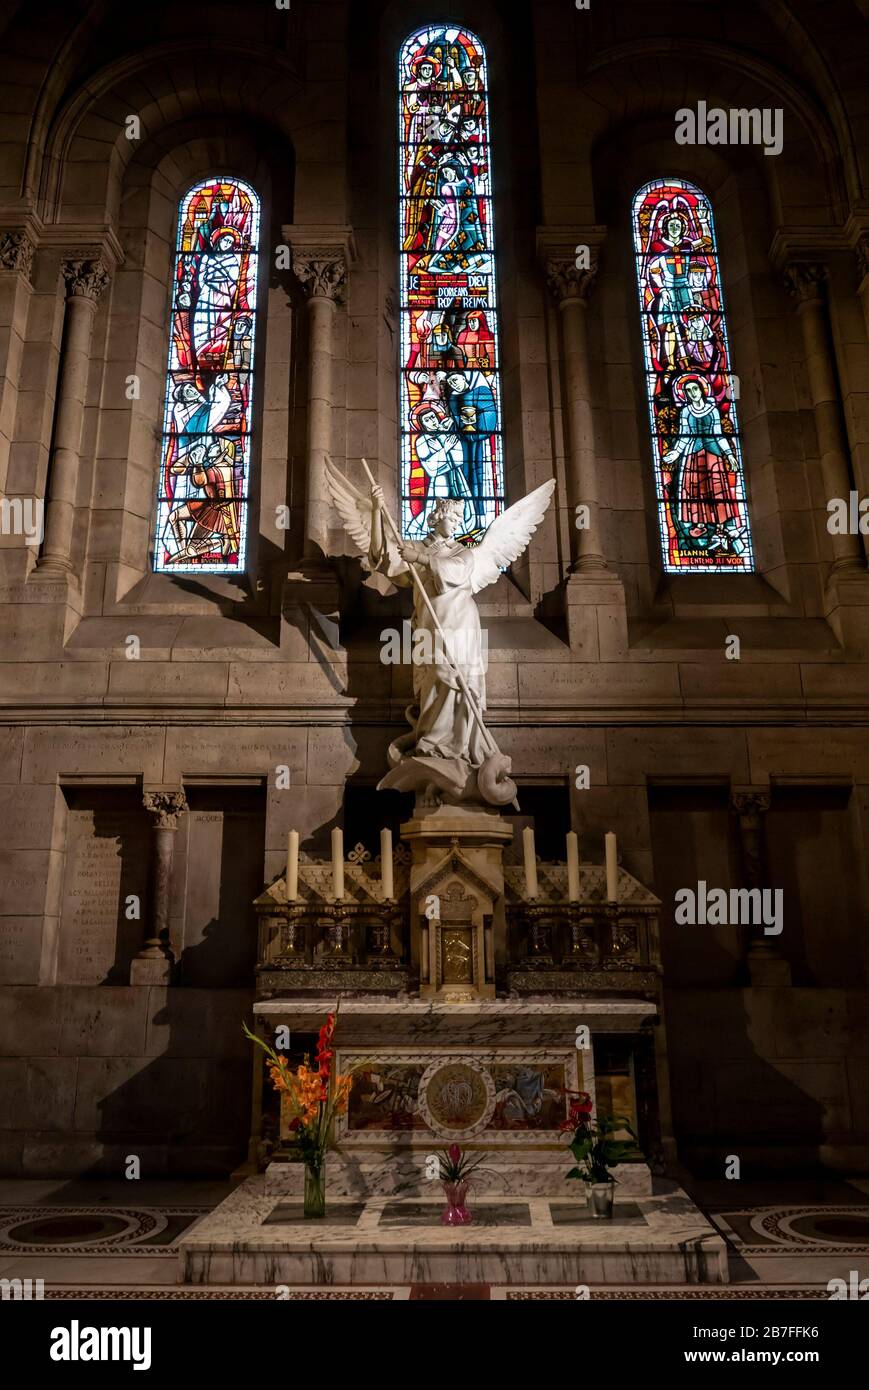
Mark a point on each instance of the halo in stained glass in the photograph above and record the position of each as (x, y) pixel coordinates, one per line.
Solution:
(450, 383)
(690, 386)
(202, 502)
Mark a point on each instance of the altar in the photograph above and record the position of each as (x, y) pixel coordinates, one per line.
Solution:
(473, 997)
(477, 995)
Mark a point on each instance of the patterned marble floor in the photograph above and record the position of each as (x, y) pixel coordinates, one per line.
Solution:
(116, 1240)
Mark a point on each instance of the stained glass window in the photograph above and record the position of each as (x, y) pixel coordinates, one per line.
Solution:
(700, 482)
(205, 457)
(450, 408)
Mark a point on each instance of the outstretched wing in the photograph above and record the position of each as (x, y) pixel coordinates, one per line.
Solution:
(353, 507)
(508, 535)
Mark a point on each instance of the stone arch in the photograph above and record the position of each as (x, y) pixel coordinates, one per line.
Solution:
(87, 150)
(633, 84)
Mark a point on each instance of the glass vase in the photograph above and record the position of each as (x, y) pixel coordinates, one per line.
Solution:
(315, 1190)
(600, 1197)
(455, 1213)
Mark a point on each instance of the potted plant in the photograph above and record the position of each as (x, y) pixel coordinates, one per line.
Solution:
(597, 1151)
(313, 1098)
(455, 1172)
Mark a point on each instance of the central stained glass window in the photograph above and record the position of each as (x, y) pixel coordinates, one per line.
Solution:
(700, 482)
(205, 459)
(450, 407)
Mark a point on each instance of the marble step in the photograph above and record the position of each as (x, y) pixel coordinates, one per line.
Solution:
(350, 1174)
(254, 1239)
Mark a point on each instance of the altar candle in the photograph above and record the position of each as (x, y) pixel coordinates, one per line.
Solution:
(612, 868)
(530, 862)
(338, 863)
(292, 866)
(386, 863)
(572, 866)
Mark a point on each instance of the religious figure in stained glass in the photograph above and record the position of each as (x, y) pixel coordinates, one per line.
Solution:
(205, 459)
(450, 383)
(689, 381)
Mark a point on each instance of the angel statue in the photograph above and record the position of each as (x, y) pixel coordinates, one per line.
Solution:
(449, 753)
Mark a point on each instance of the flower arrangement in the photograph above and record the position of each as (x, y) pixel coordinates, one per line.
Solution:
(456, 1166)
(313, 1096)
(455, 1169)
(593, 1145)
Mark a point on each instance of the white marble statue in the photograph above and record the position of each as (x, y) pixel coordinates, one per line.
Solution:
(449, 748)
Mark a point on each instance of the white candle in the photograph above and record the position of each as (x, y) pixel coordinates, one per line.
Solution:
(530, 862)
(386, 863)
(572, 866)
(338, 863)
(292, 866)
(612, 867)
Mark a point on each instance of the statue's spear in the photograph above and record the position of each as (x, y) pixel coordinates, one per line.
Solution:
(491, 745)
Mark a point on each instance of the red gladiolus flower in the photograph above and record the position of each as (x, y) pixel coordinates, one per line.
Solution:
(454, 1152)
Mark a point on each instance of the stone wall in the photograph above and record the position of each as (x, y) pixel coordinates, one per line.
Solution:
(618, 669)
(775, 1077)
(93, 1076)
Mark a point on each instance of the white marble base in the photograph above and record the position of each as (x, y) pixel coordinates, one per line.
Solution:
(659, 1239)
(350, 1174)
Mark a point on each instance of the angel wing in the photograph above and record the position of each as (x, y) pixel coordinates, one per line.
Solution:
(508, 536)
(353, 507)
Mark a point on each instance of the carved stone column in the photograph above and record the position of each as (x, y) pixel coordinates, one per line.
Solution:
(16, 260)
(861, 251)
(571, 289)
(763, 960)
(806, 282)
(321, 268)
(153, 965)
(86, 277)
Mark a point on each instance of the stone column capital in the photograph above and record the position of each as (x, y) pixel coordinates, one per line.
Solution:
(749, 803)
(806, 281)
(167, 806)
(86, 275)
(16, 252)
(322, 272)
(567, 282)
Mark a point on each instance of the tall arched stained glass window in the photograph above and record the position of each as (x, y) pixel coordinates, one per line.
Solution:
(205, 458)
(700, 483)
(450, 408)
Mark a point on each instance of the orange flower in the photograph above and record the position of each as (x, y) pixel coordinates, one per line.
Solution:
(343, 1087)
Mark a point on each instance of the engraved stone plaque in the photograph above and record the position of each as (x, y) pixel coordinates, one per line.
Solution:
(107, 856)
